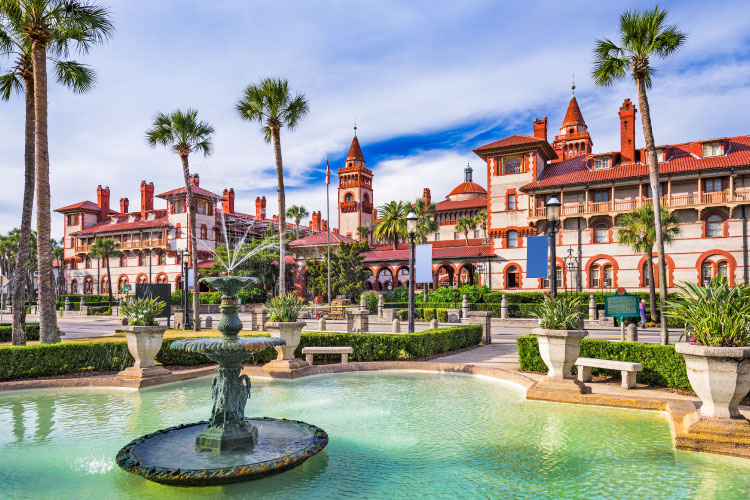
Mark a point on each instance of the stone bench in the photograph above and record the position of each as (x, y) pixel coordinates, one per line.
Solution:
(627, 369)
(344, 351)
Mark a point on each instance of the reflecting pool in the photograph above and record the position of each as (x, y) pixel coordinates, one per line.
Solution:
(392, 435)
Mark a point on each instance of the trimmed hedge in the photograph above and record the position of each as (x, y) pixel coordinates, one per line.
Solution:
(65, 358)
(662, 365)
(6, 331)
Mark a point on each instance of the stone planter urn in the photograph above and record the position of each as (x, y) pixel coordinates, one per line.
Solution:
(144, 343)
(720, 376)
(559, 350)
(289, 332)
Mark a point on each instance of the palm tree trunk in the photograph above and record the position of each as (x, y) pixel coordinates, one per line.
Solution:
(22, 257)
(653, 176)
(193, 243)
(651, 282)
(109, 283)
(48, 332)
(275, 135)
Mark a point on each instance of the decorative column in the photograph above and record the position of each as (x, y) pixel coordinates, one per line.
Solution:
(504, 307)
(465, 307)
(592, 306)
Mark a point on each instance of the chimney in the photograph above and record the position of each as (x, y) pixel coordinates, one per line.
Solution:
(335, 230)
(315, 224)
(124, 204)
(102, 200)
(627, 132)
(426, 196)
(231, 200)
(147, 198)
(324, 225)
(262, 207)
(540, 128)
(195, 180)
(225, 201)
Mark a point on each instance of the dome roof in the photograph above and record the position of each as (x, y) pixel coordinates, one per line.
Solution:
(468, 188)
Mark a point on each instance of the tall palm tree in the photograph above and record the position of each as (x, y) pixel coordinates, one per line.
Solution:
(106, 248)
(297, 213)
(183, 133)
(643, 35)
(392, 222)
(51, 27)
(15, 44)
(481, 221)
(363, 232)
(271, 104)
(58, 254)
(464, 225)
(637, 230)
(426, 223)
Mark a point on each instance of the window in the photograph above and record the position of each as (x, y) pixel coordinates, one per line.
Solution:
(88, 262)
(651, 193)
(178, 207)
(601, 196)
(608, 276)
(646, 277)
(455, 236)
(123, 260)
(711, 148)
(178, 231)
(601, 233)
(201, 208)
(511, 277)
(121, 284)
(141, 280)
(161, 279)
(437, 236)
(712, 185)
(512, 166)
(724, 269)
(476, 233)
(349, 197)
(707, 273)
(512, 239)
(713, 226)
(73, 219)
(204, 233)
(558, 279)
(74, 287)
(511, 202)
(141, 259)
(161, 259)
(601, 162)
(595, 277)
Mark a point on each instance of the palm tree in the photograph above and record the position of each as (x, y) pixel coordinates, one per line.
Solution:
(50, 27)
(392, 222)
(464, 225)
(58, 253)
(426, 223)
(643, 35)
(297, 213)
(106, 248)
(637, 230)
(20, 78)
(271, 104)
(184, 133)
(481, 221)
(363, 232)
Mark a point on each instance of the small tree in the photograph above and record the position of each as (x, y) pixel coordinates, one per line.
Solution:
(481, 221)
(297, 213)
(392, 222)
(426, 223)
(464, 225)
(363, 232)
(348, 277)
(106, 248)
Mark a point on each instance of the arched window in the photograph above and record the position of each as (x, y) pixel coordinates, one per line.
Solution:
(366, 198)
(512, 239)
(512, 277)
(204, 233)
(88, 262)
(707, 272)
(601, 233)
(123, 260)
(595, 277)
(161, 279)
(104, 288)
(558, 279)
(73, 287)
(713, 226)
(161, 259)
(644, 273)
(141, 280)
(723, 269)
(349, 197)
(122, 283)
(88, 286)
(608, 276)
(141, 259)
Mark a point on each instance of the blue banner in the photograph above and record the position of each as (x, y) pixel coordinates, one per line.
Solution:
(537, 248)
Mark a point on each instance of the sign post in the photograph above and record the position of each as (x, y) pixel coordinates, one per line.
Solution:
(621, 305)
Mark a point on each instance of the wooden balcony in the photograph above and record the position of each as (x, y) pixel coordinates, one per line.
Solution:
(688, 200)
(146, 244)
(348, 206)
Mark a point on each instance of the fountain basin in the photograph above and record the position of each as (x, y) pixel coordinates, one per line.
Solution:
(169, 455)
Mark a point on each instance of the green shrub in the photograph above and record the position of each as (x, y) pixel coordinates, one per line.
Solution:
(6, 331)
(253, 296)
(284, 308)
(428, 313)
(99, 311)
(442, 315)
(210, 298)
(662, 365)
(371, 302)
(143, 312)
(395, 305)
(562, 312)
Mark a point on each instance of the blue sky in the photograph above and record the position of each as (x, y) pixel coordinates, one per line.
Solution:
(427, 82)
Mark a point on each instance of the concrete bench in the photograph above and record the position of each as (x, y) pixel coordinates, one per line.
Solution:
(627, 369)
(344, 351)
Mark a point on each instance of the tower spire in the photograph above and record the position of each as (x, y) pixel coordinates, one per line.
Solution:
(573, 87)
(467, 173)
(355, 125)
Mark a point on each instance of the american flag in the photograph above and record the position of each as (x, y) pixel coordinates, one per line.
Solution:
(328, 172)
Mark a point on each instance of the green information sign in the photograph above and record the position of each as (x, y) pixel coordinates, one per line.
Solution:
(127, 288)
(621, 305)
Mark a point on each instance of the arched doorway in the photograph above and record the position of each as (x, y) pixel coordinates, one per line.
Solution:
(445, 274)
(466, 274)
(384, 279)
(512, 277)
(88, 285)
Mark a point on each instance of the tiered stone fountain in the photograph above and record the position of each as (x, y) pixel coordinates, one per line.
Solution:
(228, 447)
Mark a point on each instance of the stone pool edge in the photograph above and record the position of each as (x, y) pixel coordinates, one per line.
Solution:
(676, 409)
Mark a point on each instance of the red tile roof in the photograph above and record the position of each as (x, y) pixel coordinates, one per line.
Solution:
(479, 201)
(575, 170)
(355, 152)
(438, 252)
(468, 188)
(513, 140)
(197, 191)
(89, 206)
(573, 116)
(122, 224)
(518, 143)
(320, 239)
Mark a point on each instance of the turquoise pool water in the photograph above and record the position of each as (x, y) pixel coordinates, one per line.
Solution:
(392, 435)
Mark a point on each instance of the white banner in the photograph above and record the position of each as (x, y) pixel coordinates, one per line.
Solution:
(423, 264)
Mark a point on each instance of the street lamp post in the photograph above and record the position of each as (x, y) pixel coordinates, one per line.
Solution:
(411, 228)
(186, 322)
(553, 215)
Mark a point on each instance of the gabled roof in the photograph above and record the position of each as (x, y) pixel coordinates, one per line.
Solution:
(516, 143)
(122, 224)
(576, 171)
(468, 188)
(83, 206)
(320, 239)
(355, 152)
(573, 116)
(197, 191)
(479, 201)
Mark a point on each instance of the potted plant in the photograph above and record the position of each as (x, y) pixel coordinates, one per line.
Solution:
(559, 335)
(283, 312)
(717, 353)
(144, 336)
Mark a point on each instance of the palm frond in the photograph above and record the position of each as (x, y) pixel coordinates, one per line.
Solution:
(10, 83)
(610, 63)
(78, 77)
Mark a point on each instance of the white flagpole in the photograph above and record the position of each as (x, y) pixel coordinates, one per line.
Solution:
(328, 226)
